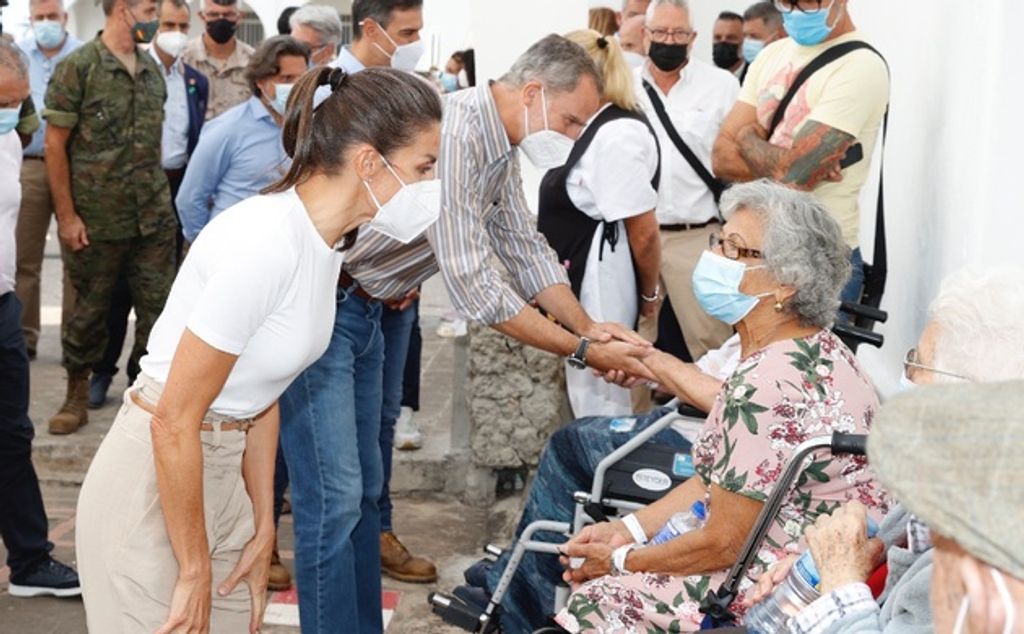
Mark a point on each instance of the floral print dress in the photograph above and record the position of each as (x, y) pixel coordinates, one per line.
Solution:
(778, 397)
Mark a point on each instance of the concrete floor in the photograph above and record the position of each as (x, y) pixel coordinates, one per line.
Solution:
(431, 524)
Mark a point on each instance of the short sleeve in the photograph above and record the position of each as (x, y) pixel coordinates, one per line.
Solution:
(625, 161)
(28, 119)
(854, 95)
(236, 299)
(64, 94)
(751, 88)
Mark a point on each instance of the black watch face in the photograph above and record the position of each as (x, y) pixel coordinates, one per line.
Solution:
(577, 363)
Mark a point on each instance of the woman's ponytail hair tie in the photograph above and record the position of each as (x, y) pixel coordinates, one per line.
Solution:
(602, 42)
(335, 79)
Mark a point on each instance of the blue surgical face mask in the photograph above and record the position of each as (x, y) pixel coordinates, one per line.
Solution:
(716, 284)
(751, 49)
(905, 383)
(49, 34)
(809, 28)
(449, 82)
(280, 102)
(9, 118)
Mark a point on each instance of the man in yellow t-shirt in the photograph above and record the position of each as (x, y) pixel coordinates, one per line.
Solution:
(840, 107)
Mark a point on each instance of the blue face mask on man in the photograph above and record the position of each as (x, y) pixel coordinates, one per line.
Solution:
(810, 28)
(280, 101)
(716, 285)
(49, 34)
(9, 118)
(751, 49)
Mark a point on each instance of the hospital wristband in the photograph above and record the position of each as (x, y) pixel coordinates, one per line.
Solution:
(619, 556)
(635, 529)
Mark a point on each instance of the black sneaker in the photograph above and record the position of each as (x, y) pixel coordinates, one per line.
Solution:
(49, 578)
(99, 385)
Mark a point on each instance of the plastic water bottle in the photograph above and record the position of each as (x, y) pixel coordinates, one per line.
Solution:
(682, 523)
(800, 588)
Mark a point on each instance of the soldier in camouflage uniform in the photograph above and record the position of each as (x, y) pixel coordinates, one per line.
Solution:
(104, 109)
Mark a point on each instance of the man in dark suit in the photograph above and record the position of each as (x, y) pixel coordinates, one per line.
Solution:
(184, 114)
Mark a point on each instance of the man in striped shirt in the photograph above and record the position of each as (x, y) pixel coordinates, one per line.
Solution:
(553, 89)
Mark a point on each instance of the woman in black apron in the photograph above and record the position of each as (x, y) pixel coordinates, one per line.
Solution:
(597, 212)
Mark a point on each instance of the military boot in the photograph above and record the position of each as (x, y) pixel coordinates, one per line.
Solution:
(74, 413)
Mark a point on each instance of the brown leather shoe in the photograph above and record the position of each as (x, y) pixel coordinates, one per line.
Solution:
(280, 579)
(74, 413)
(397, 563)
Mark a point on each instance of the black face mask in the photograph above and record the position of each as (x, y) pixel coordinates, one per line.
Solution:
(668, 57)
(726, 55)
(221, 31)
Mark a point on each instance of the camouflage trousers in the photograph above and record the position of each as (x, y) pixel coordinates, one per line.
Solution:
(148, 264)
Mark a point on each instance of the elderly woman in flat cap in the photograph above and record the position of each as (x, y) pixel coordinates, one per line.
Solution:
(957, 469)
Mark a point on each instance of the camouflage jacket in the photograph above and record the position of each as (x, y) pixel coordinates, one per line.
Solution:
(117, 184)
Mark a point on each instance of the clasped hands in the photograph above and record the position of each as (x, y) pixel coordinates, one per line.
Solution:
(618, 351)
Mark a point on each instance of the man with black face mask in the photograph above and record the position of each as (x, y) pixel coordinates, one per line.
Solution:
(695, 98)
(219, 55)
(728, 40)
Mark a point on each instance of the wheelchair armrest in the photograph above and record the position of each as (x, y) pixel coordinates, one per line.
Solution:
(864, 312)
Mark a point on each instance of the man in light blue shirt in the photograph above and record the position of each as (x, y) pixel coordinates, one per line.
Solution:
(240, 152)
(45, 48)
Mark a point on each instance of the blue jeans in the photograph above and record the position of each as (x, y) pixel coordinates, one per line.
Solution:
(566, 466)
(396, 325)
(853, 289)
(330, 427)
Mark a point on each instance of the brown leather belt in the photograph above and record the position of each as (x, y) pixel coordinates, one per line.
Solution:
(175, 174)
(33, 158)
(235, 425)
(689, 226)
(349, 283)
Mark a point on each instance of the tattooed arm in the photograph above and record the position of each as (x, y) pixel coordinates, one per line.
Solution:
(726, 160)
(814, 158)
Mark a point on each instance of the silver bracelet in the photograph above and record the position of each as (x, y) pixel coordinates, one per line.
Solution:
(653, 299)
(619, 556)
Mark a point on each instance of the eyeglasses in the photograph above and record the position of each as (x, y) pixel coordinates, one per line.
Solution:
(663, 36)
(913, 362)
(805, 6)
(732, 250)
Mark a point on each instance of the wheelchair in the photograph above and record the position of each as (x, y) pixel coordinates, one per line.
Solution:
(637, 474)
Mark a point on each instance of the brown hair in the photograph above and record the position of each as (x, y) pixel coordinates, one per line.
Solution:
(380, 107)
(266, 59)
(604, 21)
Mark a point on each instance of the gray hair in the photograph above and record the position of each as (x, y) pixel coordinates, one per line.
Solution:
(803, 246)
(13, 59)
(557, 63)
(764, 11)
(980, 326)
(32, 3)
(324, 20)
(682, 4)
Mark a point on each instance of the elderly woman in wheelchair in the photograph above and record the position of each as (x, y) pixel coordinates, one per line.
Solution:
(775, 273)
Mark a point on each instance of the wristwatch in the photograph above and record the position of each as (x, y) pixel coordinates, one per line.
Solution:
(578, 359)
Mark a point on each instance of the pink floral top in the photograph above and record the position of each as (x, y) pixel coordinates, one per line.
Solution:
(779, 397)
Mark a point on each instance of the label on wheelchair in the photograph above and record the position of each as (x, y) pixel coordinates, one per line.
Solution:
(652, 480)
(622, 425)
(682, 466)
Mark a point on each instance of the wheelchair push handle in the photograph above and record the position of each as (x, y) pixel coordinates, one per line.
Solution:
(849, 444)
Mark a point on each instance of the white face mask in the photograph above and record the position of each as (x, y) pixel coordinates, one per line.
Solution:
(1009, 606)
(905, 383)
(545, 148)
(171, 42)
(410, 212)
(635, 60)
(405, 56)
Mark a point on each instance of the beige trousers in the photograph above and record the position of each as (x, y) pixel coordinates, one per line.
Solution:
(33, 225)
(125, 561)
(680, 251)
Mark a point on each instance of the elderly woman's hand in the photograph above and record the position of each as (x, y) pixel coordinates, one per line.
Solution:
(770, 580)
(597, 561)
(841, 548)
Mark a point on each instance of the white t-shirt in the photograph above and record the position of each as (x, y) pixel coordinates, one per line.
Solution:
(697, 105)
(10, 201)
(259, 283)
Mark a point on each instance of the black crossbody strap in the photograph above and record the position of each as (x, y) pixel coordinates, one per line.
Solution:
(816, 64)
(705, 174)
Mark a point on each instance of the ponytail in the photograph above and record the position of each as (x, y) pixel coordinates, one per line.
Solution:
(616, 73)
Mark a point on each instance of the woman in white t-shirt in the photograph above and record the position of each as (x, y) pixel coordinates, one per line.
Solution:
(597, 211)
(179, 496)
